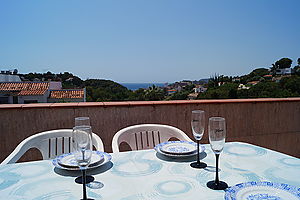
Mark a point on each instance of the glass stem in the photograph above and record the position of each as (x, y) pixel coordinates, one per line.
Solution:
(198, 156)
(217, 169)
(84, 183)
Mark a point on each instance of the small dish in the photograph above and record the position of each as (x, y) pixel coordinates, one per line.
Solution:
(262, 190)
(157, 149)
(178, 147)
(68, 160)
(104, 158)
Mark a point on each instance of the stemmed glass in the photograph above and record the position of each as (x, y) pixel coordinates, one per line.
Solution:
(198, 125)
(82, 121)
(217, 135)
(90, 180)
(82, 137)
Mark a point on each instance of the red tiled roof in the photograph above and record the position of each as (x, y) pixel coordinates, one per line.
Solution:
(25, 88)
(67, 94)
(31, 92)
(253, 82)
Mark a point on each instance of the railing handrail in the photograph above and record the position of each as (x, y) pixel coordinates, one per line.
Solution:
(145, 103)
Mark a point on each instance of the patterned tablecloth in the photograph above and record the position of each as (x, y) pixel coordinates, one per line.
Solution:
(146, 175)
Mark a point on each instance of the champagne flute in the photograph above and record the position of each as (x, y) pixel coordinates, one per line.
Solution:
(90, 180)
(82, 137)
(198, 125)
(82, 121)
(217, 135)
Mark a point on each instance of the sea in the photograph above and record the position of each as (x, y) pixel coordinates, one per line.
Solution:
(136, 86)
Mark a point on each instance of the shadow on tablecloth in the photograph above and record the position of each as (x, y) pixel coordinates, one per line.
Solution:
(103, 168)
(178, 159)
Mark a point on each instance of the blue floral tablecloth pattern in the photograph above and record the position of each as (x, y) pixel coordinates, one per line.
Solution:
(145, 175)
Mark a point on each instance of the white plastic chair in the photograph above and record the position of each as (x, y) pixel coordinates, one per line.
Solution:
(146, 136)
(50, 144)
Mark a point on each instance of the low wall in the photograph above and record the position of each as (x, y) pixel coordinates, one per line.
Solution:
(271, 123)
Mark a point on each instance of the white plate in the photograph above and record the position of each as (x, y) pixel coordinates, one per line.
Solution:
(157, 149)
(68, 160)
(262, 190)
(178, 147)
(106, 159)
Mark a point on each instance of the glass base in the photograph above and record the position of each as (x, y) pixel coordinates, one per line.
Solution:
(88, 179)
(221, 186)
(198, 165)
(87, 199)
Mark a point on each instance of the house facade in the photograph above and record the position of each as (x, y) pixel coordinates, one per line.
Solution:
(285, 71)
(37, 92)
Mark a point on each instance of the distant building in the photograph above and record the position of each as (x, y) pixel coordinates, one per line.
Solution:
(199, 89)
(24, 92)
(171, 91)
(243, 87)
(252, 83)
(192, 96)
(221, 83)
(71, 95)
(236, 79)
(185, 82)
(178, 88)
(34, 92)
(9, 78)
(69, 79)
(268, 76)
(285, 71)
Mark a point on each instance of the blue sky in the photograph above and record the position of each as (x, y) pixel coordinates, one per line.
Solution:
(147, 40)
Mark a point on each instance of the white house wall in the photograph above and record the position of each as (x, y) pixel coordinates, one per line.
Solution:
(39, 98)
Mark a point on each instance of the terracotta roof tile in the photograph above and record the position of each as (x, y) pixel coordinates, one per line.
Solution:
(31, 92)
(67, 94)
(25, 88)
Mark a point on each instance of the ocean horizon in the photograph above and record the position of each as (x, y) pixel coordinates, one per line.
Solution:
(136, 86)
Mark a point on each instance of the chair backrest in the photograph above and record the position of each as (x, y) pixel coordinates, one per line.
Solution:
(50, 144)
(146, 136)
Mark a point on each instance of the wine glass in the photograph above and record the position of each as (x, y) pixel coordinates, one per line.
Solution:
(198, 124)
(217, 135)
(82, 137)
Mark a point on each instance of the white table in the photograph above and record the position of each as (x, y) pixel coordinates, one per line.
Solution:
(144, 175)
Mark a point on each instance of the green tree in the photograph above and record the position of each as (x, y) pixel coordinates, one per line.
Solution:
(292, 84)
(137, 95)
(228, 90)
(105, 90)
(182, 95)
(283, 63)
(154, 93)
(255, 75)
(213, 82)
(259, 72)
(267, 90)
(297, 68)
